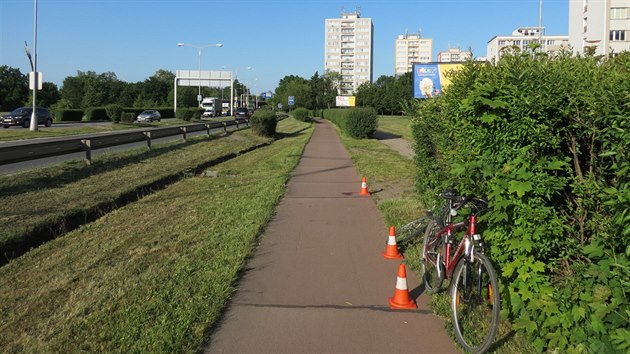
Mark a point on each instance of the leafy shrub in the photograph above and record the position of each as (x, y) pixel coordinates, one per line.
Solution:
(128, 117)
(263, 122)
(96, 113)
(361, 122)
(301, 114)
(68, 115)
(356, 122)
(189, 114)
(166, 112)
(546, 141)
(114, 112)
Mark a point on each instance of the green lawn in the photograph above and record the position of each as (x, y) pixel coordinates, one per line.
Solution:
(397, 125)
(152, 276)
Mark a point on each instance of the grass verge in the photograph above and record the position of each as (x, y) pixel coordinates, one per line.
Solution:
(74, 193)
(390, 177)
(154, 275)
(397, 125)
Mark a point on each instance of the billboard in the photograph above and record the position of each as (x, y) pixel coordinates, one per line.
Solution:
(345, 101)
(430, 79)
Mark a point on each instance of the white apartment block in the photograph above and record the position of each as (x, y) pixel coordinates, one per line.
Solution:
(520, 40)
(409, 49)
(603, 25)
(454, 55)
(348, 50)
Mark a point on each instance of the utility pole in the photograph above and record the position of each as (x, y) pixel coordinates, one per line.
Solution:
(33, 126)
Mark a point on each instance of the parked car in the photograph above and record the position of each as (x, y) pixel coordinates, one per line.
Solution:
(22, 116)
(149, 115)
(242, 112)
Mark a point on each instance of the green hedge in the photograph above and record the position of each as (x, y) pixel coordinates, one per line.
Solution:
(300, 114)
(189, 114)
(356, 122)
(546, 140)
(68, 115)
(264, 122)
(96, 113)
(114, 112)
(128, 117)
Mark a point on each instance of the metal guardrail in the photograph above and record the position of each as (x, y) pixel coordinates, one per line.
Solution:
(37, 150)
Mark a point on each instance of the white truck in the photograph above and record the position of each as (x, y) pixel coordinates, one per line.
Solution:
(226, 109)
(212, 107)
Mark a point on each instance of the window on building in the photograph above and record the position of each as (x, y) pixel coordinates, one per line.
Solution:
(502, 42)
(584, 24)
(618, 13)
(617, 35)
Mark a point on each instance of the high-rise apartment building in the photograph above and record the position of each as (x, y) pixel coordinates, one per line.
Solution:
(349, 45)
(454, 55)
(602, 25)
(520, 40)
(411, 48)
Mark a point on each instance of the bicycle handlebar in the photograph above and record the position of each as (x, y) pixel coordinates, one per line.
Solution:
(459, 201)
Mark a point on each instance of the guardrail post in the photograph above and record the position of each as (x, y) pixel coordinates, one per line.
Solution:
(208, 129)
(148, 137)
(225, 127)
(236, 123)
(183, 129)
(87, 145)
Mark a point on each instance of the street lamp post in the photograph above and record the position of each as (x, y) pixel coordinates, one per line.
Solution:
(199, 48)
(34, 121)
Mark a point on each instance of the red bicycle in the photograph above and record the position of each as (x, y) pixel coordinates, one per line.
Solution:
(475, 301)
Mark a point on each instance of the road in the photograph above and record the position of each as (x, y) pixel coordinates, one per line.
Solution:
(14, 168)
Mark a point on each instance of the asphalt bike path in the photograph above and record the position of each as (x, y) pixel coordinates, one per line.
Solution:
(318, 282)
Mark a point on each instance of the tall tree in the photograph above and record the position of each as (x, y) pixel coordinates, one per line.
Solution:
(13, 88)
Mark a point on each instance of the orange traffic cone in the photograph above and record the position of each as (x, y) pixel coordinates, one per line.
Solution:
(401, 300)
(364, 187)
(391, 251)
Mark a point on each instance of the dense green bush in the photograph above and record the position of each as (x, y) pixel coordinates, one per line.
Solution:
(300, 114)
(356, 122)
(128, 117)
(546, 141)
(263, 122)
(96, 113)
(361, 122)
(114, 112)
(189, 114)
(67, 115)
(166, 112)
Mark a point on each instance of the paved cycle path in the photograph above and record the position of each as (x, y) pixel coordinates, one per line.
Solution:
(318, 282)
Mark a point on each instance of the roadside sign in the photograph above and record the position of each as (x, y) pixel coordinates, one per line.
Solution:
(291, 100)
(279, 105)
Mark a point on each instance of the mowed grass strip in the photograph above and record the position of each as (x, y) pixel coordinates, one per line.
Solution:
(397, 125)
(33, 200)
(152, 276)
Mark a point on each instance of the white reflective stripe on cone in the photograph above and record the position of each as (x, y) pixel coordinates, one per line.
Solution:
(401, 283)
(391, 240)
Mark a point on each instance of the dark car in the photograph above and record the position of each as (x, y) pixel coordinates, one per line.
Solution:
(22, 116)
(242, 112)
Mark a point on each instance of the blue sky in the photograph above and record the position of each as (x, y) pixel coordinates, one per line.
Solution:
(135, 38)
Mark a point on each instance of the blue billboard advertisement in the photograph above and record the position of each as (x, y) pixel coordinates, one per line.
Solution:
(431, 78)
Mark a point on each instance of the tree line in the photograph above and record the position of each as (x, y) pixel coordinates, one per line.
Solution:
(388, 95)
(90, 89)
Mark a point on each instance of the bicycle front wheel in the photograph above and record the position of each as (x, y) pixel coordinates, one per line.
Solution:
(475, 303)
(433, 252)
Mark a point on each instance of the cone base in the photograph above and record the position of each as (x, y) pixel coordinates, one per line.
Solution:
(387, 255)
(364, 192)
(411, 305)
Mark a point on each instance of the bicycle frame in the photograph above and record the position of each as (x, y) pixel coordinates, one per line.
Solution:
(465, 245)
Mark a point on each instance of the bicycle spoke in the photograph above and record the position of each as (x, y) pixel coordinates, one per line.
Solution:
(475, 304)
(432, 259)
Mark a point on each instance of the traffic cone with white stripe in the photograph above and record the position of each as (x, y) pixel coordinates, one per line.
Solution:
(401, 299)
(364, 187)
(391, 251)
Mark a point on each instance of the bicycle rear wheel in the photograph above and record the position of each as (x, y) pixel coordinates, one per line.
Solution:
(411, 232)
(475, 303)
(433, 252)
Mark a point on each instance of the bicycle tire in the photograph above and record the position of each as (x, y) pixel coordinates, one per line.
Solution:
(411, 231)
(433, 251)
(475, 303)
